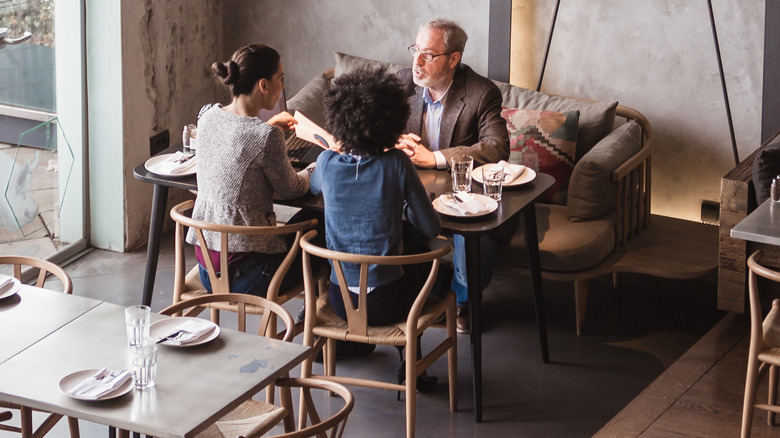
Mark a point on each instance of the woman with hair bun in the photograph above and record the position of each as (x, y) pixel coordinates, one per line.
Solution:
(242, 163)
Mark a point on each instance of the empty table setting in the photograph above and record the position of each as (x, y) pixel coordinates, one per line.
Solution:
(77, 362)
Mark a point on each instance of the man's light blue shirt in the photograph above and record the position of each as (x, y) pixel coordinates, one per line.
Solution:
(432, 125)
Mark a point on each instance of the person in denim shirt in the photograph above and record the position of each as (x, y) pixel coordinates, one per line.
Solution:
(369, 188)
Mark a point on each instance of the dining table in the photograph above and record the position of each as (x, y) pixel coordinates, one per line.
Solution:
(519, 200)
(195, 385)
(762, 225)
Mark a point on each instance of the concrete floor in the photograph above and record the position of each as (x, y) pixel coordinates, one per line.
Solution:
(632, 335)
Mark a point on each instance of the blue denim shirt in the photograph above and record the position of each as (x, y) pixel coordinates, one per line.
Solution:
(366, 199)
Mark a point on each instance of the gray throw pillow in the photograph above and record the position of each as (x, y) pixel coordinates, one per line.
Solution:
(309, 100)
(766, 166)
(596, 118)
(347, 63)
(592, 193)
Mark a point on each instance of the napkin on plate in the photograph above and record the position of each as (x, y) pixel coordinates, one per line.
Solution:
(171, 165)
(5, 281)
(511, 171)
(99, 384)
(191, 329)
(470, 204)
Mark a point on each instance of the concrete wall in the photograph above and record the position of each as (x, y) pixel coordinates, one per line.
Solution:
(167, 50)
(657, 56)
(307, 32)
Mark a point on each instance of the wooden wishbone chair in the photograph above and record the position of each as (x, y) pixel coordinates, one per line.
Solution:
(188, 286)
(764, 352)
(321, 321)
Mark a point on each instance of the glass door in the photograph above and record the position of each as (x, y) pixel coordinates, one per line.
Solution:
(42, 203)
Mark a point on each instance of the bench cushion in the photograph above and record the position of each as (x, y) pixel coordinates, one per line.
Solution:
(592, 192)
(310, 100)
(347, 63)
(564, 246)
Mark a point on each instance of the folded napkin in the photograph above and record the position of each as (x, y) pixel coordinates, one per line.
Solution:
(511, 171)
(190, 329)
(171, 165)
(99, 383)
(5, 281)
(470, 204)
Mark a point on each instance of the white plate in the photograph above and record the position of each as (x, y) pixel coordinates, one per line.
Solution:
(525, 178)
(164, 327)
(157, 159)
(449, 211)
(10, 289)
(71, 380)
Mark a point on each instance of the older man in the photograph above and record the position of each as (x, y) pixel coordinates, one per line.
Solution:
(453, 111)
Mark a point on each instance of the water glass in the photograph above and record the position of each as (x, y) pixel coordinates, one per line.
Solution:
(493, 180)
(461, 166)
(144, 363)
(137, 319)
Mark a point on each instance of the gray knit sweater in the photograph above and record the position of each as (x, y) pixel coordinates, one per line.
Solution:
(242, 162)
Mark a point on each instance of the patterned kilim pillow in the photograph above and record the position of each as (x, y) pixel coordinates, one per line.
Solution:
(545, 141)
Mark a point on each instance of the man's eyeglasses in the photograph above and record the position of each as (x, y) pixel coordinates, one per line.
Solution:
(427, 57)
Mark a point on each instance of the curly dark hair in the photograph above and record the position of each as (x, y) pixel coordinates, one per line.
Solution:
(366, 110)
(247, 66)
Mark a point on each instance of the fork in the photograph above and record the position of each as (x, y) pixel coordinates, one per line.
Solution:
(172, 336)
(185, 157)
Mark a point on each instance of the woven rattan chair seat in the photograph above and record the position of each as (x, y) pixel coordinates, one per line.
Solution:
(251, 418)
(332, 326)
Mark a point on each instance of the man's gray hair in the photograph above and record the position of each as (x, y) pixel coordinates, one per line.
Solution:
(454, 36)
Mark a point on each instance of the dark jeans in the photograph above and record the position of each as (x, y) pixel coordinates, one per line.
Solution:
(252, 274)
(490, 244)
(389, 303)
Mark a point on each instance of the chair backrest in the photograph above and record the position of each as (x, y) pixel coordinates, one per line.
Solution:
(44, 268)
(335, 424)
(220, 283)
(356, 316)
(763, 330)
(193, 307)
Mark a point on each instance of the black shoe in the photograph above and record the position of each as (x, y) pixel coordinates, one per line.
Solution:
(463, 322)
(425, 383)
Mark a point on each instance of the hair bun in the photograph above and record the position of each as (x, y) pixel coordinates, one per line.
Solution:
(227, 71)
(232, 73)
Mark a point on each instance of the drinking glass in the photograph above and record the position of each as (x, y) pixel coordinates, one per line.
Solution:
(493, 180)
(144, 361)
(137, 319)
(461, 166)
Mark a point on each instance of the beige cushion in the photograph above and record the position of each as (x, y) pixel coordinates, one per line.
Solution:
(564, 246)
(309, 100)
(596, 118)
(592, 192)
(347, 63)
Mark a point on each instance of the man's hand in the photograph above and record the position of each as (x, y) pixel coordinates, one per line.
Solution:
(283, 120)
(419, 154)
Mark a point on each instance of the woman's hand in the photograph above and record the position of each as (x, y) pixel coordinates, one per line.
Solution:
(283, 120)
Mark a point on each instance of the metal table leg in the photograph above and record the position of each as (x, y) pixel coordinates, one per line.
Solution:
(532, 246)
(159, 205)
(473, 275)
